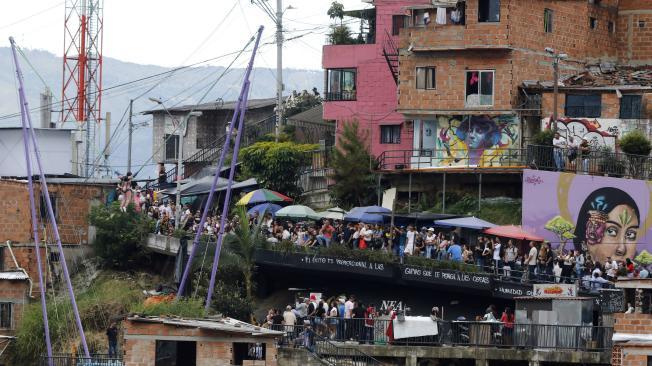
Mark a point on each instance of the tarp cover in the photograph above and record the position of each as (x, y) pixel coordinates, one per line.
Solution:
(414, 326)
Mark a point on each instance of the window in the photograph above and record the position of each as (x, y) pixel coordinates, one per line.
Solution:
(398, 23)
(547, 20)
(390, 134)
(479, 88)
(593, 23)
(421, 17)
(5, 315)
(43, 207)
(488, 11)
(175, 353)
(426, 78)
(630, 106)
(171, 146)
(340, 84)
(641, 23)
(612, 27)
(583, 105)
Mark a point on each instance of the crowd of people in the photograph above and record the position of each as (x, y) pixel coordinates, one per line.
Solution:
(345, 318)
(505, 258)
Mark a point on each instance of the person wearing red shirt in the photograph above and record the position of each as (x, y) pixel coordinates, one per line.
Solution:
(326, 234)
(508, 325)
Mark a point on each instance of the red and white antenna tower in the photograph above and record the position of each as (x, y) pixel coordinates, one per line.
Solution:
(82, 73)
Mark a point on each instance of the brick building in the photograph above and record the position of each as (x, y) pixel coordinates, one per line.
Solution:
(464, 70)
(175, 341)
(633, 332)
(360, 79)
(72, 199)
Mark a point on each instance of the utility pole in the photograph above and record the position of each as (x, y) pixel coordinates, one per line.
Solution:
(131, 132)
(279, 67)
(182, 133)
(107, 151)
(555, 92)
(556, 57)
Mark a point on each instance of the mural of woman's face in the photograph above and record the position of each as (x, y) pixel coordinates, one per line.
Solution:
(476, 135)
(616, 237)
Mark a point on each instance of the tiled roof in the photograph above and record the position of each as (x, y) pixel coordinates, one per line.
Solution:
(605, 75)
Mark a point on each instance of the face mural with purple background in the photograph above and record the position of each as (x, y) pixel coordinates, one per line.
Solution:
(601, 216)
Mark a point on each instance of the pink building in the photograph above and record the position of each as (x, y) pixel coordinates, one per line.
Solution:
(361, 78)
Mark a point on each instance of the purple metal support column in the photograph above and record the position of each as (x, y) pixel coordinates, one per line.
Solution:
(30, 186)
(53, 221)
(227, 144)
(227, 198)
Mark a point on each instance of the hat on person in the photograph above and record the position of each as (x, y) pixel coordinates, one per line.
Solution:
(288, 307)
(431, 229)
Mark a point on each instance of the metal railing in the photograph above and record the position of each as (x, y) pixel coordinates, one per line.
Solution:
(597, 162)
(66, 359)
(469, 333)
(340, 96)
(323, 347)
(450, 158)
(211, 153)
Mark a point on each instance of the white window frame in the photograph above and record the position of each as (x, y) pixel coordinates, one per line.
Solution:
(493, 87)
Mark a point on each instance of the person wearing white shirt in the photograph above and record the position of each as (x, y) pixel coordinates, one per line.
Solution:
(559, 144)
(411, 236)
(496, 257)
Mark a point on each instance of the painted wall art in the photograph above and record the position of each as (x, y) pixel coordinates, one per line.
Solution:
(601, 216)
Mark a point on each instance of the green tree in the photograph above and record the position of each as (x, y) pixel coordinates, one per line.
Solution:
(543, 137)
(353, 168)
(241, 246)
(276, 166)
(562, 228)
(336, 11)
(635, 143)
(120, 235)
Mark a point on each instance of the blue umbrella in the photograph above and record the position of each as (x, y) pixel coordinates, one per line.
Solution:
(262, 208)
(367, 214)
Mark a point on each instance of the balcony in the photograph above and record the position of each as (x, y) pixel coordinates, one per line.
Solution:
(598, 162)
(344, 96)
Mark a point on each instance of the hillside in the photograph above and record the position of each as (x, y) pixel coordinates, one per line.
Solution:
(184, 87)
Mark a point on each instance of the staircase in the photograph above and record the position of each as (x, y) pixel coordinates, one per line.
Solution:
(333, 354)
(211, 154)
(390, 52)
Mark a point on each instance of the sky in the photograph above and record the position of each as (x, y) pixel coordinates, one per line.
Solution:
(173, 32)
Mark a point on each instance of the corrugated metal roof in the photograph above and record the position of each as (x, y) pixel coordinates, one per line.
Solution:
(224, 325)
(216, 106)
(312, 115)
(13, 275)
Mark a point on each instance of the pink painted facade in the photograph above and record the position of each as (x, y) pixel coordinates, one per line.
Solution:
(376, 91)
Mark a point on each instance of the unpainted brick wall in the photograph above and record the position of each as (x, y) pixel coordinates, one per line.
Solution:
(73, 203)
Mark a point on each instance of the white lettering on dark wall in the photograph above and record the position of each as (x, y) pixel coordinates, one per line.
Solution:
(396, 305)
(343, 263)
(446, 276)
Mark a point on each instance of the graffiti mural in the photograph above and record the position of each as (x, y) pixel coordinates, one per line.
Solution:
(600, 216)
(474, 140)
(599, 132)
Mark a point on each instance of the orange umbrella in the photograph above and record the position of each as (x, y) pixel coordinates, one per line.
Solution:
(513, 232)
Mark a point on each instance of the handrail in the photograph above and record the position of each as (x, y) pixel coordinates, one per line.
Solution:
(323, 348)
(327, 331)
(210, 153)
(540, 157)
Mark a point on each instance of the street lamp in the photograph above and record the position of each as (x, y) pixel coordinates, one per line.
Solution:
(556, 57)
(182, 133)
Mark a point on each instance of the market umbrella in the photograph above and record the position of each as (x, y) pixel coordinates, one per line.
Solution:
(513, 232)
(263, 208)
(331, 215)
(367, 214)
(262, 196)
(297, 212)
(466, 223)
(336, 209)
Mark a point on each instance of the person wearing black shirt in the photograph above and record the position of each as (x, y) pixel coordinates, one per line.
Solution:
(277, 320)
(112, 335)
(358, 321)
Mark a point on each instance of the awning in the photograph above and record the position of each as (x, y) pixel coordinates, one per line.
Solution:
(203, 186)
(388, 123)
(513, 232)
(466, 222)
